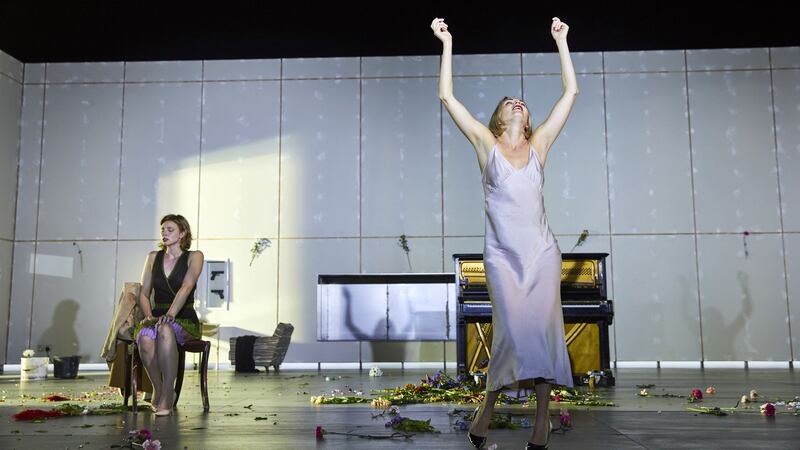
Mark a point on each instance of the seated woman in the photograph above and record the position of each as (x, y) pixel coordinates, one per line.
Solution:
(171, 274)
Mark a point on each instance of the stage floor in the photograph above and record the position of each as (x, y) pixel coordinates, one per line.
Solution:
(237, 400)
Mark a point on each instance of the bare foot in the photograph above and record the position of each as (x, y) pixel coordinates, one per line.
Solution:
(164, 403)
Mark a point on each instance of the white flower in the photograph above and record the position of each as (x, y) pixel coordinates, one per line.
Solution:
(375, 371)
(151, 445)
(28, 353)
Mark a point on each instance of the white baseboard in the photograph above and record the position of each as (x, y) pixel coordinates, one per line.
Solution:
(451, 365)
(704, 364)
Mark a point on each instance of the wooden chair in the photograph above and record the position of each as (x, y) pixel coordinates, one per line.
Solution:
(268, 350)
(193, 346)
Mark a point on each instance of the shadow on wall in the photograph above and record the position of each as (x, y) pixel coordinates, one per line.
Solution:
(725, 335)
(382, 348)
(60, 336)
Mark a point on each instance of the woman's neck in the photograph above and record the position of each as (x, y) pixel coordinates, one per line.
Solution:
(174, 250)
(512, 136)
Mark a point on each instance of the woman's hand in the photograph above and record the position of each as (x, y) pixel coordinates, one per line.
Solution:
(148, 318)
(166, 319)
(440, 30)
(559, 29)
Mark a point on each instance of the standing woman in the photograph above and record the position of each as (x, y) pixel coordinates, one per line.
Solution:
(171, 274)
(521, 256)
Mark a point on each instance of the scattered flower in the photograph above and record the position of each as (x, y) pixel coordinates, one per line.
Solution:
(581, 239)
(151, 445)
(644, 393)
(375, 371)
(744, 244)
(394, 421)
(320, 433)
(768, 409)
(462, 425)
(564, 418)
(258, 248)
(711, 390)
(403, 243)
(28, 353)
(36, 414)
(696, 395)
(381, 403)
(753, 395)
(394, 410)
(745, 399)
(715, 411)
(401, 423)
(145, 434)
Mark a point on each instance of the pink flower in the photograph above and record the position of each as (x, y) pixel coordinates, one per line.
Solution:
(768, 409)
(144, 434)
(564, 418)
(151, 445)
(697, 394)
(320, 433)
(557, 398)
(711, 390)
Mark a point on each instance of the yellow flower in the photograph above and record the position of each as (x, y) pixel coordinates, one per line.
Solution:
(381, 403)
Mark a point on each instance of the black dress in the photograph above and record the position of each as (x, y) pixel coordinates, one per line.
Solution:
(166, 287)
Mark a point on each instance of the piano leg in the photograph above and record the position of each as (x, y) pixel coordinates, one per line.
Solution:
(461, 345)
(605, 357)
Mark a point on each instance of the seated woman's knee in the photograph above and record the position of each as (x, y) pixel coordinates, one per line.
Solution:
(165, 331)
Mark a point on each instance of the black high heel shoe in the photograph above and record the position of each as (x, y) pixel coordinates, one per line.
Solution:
(476, 441)
(532, 446)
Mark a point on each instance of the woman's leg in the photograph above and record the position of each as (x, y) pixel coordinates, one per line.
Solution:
(480, 425)
(149, 356)
(541, 425)
(168, 362)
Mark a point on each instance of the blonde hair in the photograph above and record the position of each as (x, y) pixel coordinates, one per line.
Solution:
(497, 127)
(183, 226)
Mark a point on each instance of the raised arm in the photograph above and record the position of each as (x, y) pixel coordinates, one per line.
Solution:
(546, 133)
(477, 133)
